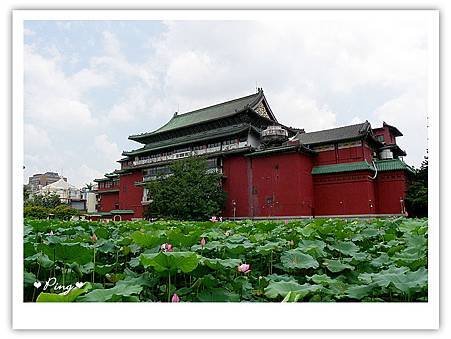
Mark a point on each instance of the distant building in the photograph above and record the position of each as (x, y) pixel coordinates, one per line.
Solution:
(268, 169)
(68, 193)
(37, 181)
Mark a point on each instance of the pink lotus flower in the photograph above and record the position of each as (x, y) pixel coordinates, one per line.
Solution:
(213, 219)
(203, 242)
(244, 268)
(166, 247)
(175, 298)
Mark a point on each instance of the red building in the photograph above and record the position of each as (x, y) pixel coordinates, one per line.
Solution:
(269, 170)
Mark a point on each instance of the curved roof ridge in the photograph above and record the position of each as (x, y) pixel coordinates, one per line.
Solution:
(177, 119)
(215, 105)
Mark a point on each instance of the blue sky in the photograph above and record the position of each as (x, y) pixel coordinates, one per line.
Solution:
(90, 84)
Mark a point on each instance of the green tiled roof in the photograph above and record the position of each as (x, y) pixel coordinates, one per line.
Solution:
(205, 114)
(191, 138)
(345, 167)
(122, 211)
(392, 165)
(334, 134)
(280, 149)
(382, 166)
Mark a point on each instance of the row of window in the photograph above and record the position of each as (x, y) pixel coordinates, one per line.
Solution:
(164, 170)
(195, 148)
(108, 184)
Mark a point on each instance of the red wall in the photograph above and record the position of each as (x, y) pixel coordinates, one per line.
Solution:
(236, 184)
(344, 194)
(326, 158)
(350, 154)
(367, 152)
(130, 195)
(108, 201)
(344, 155)
(385, 131)
(391, 188)
(282, 185)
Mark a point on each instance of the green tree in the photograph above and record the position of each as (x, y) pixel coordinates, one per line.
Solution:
(36, 212)
(26, 193)
(64, 212)
(190, 192)
(48, 200)
(417, 194)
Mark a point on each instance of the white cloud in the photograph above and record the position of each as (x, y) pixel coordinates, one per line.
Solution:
(304, 67)
(107, 148)
(408, 113)
(296, 110)
(83, 174)
(52, 98)
(36, 139)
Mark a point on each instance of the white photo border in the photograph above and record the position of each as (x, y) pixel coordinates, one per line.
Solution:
(220, 315)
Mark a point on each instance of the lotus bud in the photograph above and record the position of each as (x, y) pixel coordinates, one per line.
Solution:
(244, 268)
(203, 242)
(175, 298)
(94, 238)
(51, 232)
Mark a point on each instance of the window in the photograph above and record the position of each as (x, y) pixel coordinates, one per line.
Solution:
(215, 144)
(380, 138)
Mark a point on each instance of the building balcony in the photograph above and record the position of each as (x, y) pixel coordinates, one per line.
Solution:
(185, 154)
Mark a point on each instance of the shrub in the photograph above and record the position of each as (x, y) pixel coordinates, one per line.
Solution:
(64, 212)
(36, 212)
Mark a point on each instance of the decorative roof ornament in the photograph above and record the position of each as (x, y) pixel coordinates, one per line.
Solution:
(274, 135)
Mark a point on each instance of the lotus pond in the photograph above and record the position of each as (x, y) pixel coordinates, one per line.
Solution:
(312, 260)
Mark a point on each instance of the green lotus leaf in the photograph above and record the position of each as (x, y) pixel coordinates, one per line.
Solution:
(170, 261)
(282, 288)
(69, 297)
(335, 265)
(292, 297)
(321, 279)
(146, 240)
(381, 260)
(360, 291)
(313, 247)
(68, 252)
(218, 295)
(296, 259)
(40, 258)
(344, 247)
(111, 294)
(28, 279)
(218, 264)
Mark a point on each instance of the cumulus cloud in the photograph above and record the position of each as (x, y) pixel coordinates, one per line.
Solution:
(54, 99)
(36, 139)
(409, 113)
(107, 148)
(305, 67)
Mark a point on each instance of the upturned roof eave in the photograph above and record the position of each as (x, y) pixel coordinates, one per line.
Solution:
(220, 135)
(259, 96)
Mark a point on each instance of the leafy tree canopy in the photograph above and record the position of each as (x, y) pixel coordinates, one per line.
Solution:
(190, 192)
(47, 200)
(417, 195)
